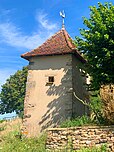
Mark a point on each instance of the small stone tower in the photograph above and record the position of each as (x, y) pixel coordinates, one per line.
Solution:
(55, 72)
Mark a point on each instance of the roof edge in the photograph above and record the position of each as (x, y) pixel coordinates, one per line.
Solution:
(68, 38)
(73, 52)
(69, 43)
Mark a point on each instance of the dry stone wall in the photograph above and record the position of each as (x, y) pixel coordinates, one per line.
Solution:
(78, 137)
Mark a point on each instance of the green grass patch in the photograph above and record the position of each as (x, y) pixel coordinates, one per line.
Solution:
(1, 121)
(2, 128)
(2, 125)
(79, 121)
(102, 148)
(12, 143)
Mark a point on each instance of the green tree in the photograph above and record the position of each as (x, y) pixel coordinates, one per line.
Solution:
(13, 92)
(97, 44)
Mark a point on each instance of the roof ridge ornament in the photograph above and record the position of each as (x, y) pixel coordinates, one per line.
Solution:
(62, 14)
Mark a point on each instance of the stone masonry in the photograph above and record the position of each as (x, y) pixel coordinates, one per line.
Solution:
(78, 137)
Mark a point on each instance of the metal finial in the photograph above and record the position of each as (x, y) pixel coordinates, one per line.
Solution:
(62, 14)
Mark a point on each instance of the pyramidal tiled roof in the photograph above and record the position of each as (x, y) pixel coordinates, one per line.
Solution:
(60, 43)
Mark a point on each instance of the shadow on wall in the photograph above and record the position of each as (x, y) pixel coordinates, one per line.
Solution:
(61, 107)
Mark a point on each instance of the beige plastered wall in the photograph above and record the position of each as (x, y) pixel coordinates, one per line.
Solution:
(48, 105)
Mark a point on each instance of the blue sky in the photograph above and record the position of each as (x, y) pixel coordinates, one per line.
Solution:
(26, 24)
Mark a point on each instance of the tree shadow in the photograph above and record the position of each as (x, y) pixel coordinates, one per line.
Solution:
(57, 108)
(64, 105)
(61, 108)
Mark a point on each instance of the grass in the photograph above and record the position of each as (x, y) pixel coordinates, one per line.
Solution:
(12, 143)
(79, 121)
(1, 121)
(2, 126)
(103, 148)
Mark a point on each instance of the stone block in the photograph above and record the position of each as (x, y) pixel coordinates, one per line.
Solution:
(85, 136)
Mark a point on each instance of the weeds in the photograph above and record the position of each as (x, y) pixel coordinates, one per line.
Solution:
(1, 121)
(103, 148)
(13, 144)
(2, 128)
(79, 121)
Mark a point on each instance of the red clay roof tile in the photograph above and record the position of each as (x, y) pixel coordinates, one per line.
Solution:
(59, 43)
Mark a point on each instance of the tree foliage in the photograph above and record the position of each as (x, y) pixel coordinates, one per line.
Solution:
(96, 107)
(13, 92)
(97, 44)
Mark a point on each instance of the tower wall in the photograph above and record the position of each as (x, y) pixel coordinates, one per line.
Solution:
(79, 88)
(47, 105)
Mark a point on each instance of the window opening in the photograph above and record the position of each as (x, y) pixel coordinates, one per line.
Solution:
(50, 79)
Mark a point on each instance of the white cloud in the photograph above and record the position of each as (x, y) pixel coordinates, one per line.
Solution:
(12, 35)
(45, 23)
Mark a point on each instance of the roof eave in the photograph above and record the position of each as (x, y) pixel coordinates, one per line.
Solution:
(80, 57)
(27, 57)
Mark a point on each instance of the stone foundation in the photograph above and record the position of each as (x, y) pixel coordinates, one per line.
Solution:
(78, 137)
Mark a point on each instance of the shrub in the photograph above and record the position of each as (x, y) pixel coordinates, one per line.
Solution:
(1, 121)
(107, 96)
(79, 121)
(96, 107)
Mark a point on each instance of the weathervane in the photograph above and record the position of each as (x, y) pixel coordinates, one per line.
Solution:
(62, 14)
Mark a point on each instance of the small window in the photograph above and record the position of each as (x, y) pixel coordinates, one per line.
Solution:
(50, 79)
